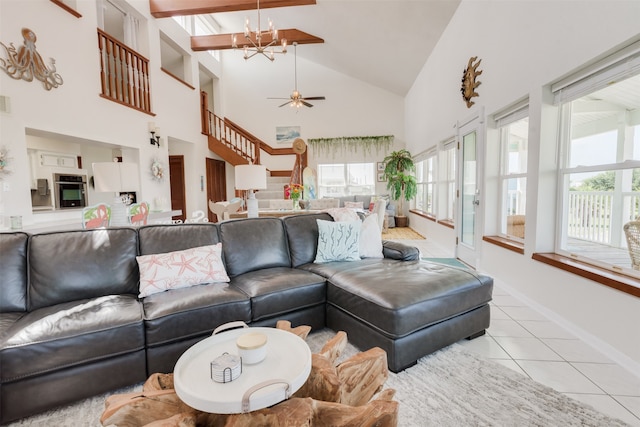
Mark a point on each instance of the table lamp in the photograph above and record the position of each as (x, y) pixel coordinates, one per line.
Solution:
(251, 177)
(116, 177)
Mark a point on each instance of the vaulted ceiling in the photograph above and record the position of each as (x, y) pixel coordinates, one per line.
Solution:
(382, 42)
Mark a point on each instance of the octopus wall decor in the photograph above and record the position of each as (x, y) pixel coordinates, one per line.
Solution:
(469, 83)
(25, 63)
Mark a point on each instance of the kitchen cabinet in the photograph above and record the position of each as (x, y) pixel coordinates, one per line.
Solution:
(59, 160)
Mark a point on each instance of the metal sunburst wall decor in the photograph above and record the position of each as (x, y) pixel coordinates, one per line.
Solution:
(25, 63)
(469, 83)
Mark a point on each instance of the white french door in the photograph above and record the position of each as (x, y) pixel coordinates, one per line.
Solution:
(469, 185)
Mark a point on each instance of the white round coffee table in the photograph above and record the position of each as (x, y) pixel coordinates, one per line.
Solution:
(283, 371)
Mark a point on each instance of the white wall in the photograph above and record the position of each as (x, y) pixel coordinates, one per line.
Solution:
(525, 45)
(351, 108)
(75, 111)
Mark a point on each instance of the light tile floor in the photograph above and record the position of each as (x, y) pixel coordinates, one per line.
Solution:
(524, 340)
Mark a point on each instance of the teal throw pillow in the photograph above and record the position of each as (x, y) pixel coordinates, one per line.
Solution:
(338, 241)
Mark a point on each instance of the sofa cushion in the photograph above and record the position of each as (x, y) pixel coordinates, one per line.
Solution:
(181, 269)
(155, 239)
(399, 298)
(326, 203)
(302, 236)
(13, 265)
(253, 244)
(192, 312)
(354, 205)
(277, 291)
(73, 265)
(338, 241)
(328, 269)
(71, 334)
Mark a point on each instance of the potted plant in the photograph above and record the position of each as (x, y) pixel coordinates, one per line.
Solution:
(401, 183)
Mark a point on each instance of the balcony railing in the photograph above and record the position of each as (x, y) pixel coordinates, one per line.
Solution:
(592, 217)
(124, 74)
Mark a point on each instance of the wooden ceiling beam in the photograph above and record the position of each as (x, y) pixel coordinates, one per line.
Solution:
(224, 41)
(169, 8)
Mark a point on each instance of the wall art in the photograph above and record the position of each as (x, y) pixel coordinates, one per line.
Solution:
(25, 63)
(287, 134)
(469, 83)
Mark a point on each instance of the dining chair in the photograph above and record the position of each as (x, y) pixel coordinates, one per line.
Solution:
(138, 213)
(222, 210)
(96, 216)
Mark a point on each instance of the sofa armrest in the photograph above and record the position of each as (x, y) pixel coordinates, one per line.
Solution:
(399, 251)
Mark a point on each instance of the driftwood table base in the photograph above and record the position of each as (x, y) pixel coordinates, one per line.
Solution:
(335, 394)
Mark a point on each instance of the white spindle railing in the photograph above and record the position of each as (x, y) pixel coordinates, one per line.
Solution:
(591, 214)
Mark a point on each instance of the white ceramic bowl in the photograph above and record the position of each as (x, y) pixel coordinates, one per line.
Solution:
(252, 347)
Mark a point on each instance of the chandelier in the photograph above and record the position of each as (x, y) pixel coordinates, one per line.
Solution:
(255, 39)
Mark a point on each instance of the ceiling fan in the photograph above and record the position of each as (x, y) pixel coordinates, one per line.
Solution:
(296, 99)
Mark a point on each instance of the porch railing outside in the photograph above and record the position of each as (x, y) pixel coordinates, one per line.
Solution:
(592, 217)
(124, 74)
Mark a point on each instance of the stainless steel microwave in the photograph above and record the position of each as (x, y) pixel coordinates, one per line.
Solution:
(70, 191)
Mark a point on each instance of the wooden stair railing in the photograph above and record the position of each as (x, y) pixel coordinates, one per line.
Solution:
(237, 146)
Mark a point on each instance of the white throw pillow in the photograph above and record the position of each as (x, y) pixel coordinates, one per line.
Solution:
(371, 238)
(338, 241)
(181, 269)
(343, 214)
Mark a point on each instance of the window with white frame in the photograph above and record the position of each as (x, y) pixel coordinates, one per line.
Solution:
(346, 179)
(447, 181)
(426, 183)
(200, 25)
(599, 170)
(513, 126)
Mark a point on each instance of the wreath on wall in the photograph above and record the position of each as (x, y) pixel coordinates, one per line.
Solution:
(4, 162)
(157, 170)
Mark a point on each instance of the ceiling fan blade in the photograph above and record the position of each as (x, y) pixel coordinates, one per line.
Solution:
(318, 98)
(278, 98)
(286, 103)
(305, 103)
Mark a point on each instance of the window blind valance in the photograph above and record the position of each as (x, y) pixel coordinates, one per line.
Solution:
(513, 113)
(614, 68)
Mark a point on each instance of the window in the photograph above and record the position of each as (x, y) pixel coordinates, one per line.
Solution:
(447, 181)
(599, 172)
(426, 180)
(513, 126)
(337, 180)
(200, 25)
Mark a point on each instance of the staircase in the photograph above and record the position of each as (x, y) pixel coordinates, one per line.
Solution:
(275, 190)
(237, 146)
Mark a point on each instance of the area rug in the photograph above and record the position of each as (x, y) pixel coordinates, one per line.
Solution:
(451, 387)
(401, 233)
